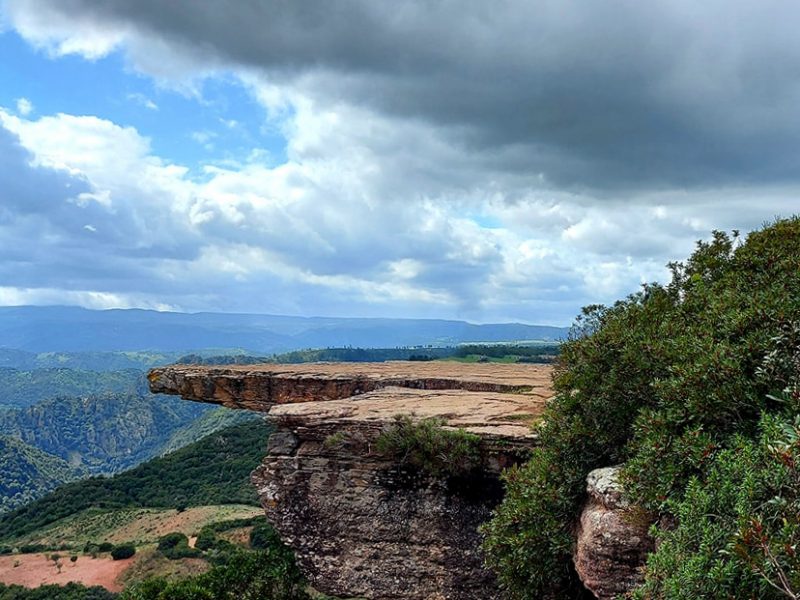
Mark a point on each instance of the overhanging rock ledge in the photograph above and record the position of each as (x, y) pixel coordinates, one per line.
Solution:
(361, 524)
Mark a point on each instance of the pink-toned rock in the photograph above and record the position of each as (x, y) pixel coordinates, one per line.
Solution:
(260, 387)
(613, 540)
(362, 524)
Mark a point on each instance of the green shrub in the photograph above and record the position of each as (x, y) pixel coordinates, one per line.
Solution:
(737, 526)
(428, 446)
(263, 537)
(91, 548)
(70, 591)
(123, 551)
(662, 381)
(206, 539)
(246, 576)
(335, 440)
(175, 545)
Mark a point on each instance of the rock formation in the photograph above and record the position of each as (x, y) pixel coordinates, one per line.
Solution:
(613, 540)
(363, 524)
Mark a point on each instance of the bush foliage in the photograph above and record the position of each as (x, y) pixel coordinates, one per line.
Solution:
(686, 384)
(428, 446)
(269, 574)
(123, 551)
(737, 524)
(70, 591)
(175, 545)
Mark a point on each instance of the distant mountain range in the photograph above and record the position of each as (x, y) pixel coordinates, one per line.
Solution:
(71, 329)
(73, 394)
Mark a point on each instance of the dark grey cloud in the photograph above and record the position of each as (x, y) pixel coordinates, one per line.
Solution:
(596, 96)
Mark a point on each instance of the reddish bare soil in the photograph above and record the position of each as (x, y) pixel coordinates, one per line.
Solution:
(34, 570)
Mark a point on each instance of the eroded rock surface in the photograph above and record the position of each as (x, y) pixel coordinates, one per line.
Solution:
(361, 524)
(259, 387)
(613, 541)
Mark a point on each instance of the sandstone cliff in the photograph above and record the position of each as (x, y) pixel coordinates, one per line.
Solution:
(612, 538)
(368, 526)
(362, 524)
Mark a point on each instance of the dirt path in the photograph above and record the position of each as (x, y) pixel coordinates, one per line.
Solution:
(33, 570)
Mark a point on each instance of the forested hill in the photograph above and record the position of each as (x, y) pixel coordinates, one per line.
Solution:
(29, 473)
(85, 361)
(56, 441)
(539, 352)
(23, 388)
(213, 470)
(68, 329)
(104, 433)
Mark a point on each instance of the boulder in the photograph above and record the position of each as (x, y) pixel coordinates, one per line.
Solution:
(612, 538)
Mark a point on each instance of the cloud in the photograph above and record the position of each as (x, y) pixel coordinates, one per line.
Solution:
(10, 296)
(238, 235)
(143, 100)
(30, 189)
(24, 106)
(442, 159)
(606, 97)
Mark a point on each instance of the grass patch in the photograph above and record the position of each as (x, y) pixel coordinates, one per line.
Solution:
(430, 447)
(150, 563)
(138, 525)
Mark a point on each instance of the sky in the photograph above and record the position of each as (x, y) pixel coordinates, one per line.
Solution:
(489, 161)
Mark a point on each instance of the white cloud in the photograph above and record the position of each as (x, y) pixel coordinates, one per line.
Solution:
(204, 138)
(142, 100)
(24, 107)
(361, 218)
(11, 296)
(62, 33)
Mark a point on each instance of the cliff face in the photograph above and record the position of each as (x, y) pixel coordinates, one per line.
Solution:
(363, 524)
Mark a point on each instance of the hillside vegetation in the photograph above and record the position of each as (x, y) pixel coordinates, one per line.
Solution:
(84, 360)
(23, 388)
(136, 525)
(26, 473)
(211, 471)
(695, 387)
(70, 591)
(70, 423)
(103, 433)
(265, 569)
(501, 352)
(207, 423)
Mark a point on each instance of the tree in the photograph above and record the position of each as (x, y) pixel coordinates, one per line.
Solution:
(666, 381)
(123, 551)
(56, 558)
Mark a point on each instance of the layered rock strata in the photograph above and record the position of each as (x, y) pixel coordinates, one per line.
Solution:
(363, 524)
(613, 539)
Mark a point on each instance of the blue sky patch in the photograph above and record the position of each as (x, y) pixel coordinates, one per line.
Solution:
(225, 124)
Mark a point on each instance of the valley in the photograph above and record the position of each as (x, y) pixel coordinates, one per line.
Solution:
(132, 467)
